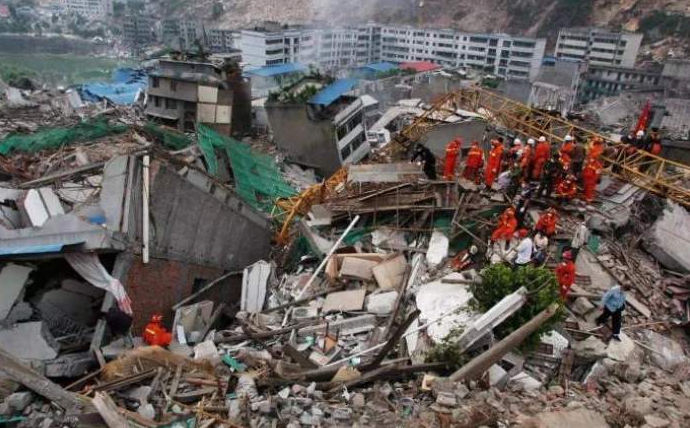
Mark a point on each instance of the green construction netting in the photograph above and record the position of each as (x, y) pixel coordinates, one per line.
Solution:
(258, 181)
(172, 140)
(52, 138)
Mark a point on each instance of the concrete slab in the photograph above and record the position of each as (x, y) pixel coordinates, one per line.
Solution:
(579, 418)
(667, 239)
(355, 325)
(438, 248)
(254, 283)
(390, 274)
(383, 303)
(351, 300)
(13, 279)
(29, 341)
(76, 307)
(81, 287)
(436, 299)
(353, 267)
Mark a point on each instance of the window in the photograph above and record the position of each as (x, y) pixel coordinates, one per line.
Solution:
(155, 82)
(173, 85)
(170, 104)
(156, 101)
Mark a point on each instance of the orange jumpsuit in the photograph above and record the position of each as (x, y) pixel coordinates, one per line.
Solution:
(566, 189)
(565, 273)
(596, 150)
(452, 151)
(507, 224)
(493, 166)
(547, 223)
(541, 154)
(475, 160)
(566, 152)
(590, 176)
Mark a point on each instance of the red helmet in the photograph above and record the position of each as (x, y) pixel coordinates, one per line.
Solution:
(568, 255)
(522, 233)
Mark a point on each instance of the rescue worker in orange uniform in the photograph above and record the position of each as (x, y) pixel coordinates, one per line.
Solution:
(475, 161)
(493, 165)
(542, 152)
(596, 149)
(451, 160)
(567, 152)
(547, 222)
(565, 273)
(567, 189)
(514, 153)
(527, 159)
(590, 177)
(155, 334)
(507, 223)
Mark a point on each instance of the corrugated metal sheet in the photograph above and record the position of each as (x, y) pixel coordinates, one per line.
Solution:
(333, 91)
(275, 70)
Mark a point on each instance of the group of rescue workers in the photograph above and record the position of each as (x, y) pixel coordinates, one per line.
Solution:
(563, 172)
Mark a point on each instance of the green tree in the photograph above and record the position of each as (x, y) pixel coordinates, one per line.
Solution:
(500, 280)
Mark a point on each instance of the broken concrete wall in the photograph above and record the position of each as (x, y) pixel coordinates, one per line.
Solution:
(439, 136)
(155, 287)
(668, 238)
(306, 141)
(193, 226)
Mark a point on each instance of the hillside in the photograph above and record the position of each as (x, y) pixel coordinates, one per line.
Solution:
(540, 18)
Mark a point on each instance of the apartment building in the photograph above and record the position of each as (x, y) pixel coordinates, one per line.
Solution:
(599, 46)
(345, 47)
(500, 54)
(182, 93)
(139, 30)
(272, 44)
(89, 8)
(221, 40)
(603, 81)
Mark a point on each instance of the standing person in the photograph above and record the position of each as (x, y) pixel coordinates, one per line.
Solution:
(527, 159)
(590, 177)
(428, 160)
(653, 144)
(515, 152)
(565, 273)
(541, 245)
(551, 176)
(542, 153)
(475, 161)
(567, 152)
(578, 158)
(493, 165)
(524, 248)
(613, 305)
(452, 151)
(580, 237)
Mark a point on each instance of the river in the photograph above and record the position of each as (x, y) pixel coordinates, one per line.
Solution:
(65, 69)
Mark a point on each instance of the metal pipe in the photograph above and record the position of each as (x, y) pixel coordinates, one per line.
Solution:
(145, 211)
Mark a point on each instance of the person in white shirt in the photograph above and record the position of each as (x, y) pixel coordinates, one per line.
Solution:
(541, 243)
(580, 236)
(524, 248)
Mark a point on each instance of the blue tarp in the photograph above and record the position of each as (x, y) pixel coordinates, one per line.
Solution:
(36, 249)
(276, 70)
(332, 92)
(121, 90)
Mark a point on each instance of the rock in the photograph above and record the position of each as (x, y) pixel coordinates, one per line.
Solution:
(441, 385)
(579, 418)
(358, 400)
(446, 399)
(22, 311)
(5, 409)
(47, 423)
(590, 348)
(147, 410)
(557, 390)
(667, 354)
(524, 382)
(496, 373)
(341, 413)
(461, 391)
(656, 422)
(582, 306)
(621, 351)
(640, 406)
(667, 239)
(19, 401)
(382, 303)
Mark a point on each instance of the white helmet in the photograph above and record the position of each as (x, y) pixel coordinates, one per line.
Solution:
(517, 142)
(640, 133)
(542, 138)
(568, 138)
(531, 141)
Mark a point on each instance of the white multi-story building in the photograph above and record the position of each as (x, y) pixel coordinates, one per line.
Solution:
(500, 54)
(341, 47)
(599, 46)
(274, 44)
(89, 8)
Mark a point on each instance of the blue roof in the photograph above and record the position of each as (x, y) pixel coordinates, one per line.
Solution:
(332, 92)
(380, 67)
(122, 89)
(275, 70)
(50, 248)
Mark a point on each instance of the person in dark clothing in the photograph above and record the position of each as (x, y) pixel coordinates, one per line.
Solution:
(423, 154)
(119, 323)
(613, 305)
(577, 158)
(552, 174)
